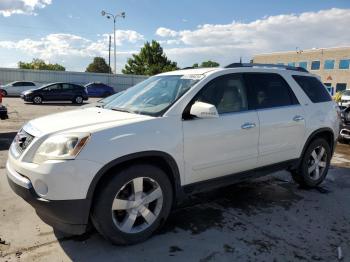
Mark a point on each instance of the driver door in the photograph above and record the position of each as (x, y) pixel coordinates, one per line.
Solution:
(225, 145)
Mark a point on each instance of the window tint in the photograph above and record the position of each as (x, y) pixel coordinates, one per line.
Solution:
(315, 65)
(17, 84)
(303, 65)
(53, 87)
(344, 64)
(271, 90)
(28, 84)
(291, 64)
(227, 93)
(313, 88)
(66, 86)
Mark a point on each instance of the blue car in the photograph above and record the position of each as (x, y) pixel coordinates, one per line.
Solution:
(99, 90)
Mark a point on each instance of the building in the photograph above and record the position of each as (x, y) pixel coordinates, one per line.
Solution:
(331, 64)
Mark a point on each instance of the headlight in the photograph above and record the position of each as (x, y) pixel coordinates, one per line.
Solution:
(65, 146)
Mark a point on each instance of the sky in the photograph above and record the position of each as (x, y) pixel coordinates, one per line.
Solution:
(72, 32)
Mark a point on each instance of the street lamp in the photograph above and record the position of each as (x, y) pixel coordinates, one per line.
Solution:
(109, 16)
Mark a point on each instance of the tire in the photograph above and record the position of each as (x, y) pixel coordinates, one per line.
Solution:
(37, 100)
(112, 223)
(106, 94)
(78, 100)
(307, 175)
(4, 93)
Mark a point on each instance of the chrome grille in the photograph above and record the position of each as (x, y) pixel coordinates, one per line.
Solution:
(22, 141)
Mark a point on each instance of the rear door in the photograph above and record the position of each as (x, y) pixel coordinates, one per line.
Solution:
(67, 92)
(281, 117)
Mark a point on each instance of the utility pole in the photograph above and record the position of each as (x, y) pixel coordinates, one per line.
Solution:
(109, 54)
(109, 16)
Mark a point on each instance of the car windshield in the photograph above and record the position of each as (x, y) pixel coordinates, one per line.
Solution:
(346, 93)
(154, 95)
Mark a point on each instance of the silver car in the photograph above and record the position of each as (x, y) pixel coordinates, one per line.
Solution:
(16, 88)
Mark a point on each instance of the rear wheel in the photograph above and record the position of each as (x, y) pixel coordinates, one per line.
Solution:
(132, 204)
(37, 100)
(314, 164)
(78, 100)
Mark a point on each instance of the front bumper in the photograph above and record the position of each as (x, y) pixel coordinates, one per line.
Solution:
(345, 131)
(27, 98)
(70, 216)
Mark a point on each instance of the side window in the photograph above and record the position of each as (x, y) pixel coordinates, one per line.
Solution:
(228, 93)
(313, 88)
(270, 90)
(66, 87)
(17, 84)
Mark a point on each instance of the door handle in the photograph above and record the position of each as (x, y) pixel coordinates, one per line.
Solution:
(248, 125)
(298, 118)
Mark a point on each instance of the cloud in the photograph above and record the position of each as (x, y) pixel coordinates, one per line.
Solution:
(60, 45)
(227, 42)
(166, 32)
(28, 7)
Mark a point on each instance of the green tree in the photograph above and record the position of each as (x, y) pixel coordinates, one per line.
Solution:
(39, 64)
(208, 63)
(151, 60)
(98, 65)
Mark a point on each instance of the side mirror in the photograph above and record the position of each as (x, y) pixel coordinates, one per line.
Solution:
(204, 110)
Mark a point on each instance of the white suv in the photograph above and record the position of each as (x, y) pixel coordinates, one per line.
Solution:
(124, 166)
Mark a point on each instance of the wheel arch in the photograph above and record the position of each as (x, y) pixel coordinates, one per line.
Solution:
(158, 158)
(326, 133)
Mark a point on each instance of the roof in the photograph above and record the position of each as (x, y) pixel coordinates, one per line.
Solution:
(193, 71)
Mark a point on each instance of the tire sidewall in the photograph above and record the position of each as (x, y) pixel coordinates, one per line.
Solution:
(304, 165)
(102, 214)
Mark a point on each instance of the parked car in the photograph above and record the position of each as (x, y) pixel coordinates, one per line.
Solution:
(102, 102)
(3, 109)
(56, 92)
(16, 88)
(344, 136)
(125, 166)
(345, 99)
(99, 90)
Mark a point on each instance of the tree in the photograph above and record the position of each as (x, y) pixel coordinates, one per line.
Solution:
(39, 64)
(98, 65)
(208, 63)
(149, 61)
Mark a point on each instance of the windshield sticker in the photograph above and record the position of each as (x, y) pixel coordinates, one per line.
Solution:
(192, 77)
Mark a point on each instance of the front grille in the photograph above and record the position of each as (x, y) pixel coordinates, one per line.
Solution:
(22, 141)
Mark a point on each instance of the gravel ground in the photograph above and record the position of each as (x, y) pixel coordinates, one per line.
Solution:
(269, 219)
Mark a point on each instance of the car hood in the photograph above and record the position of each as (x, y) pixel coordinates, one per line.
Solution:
(81, 120)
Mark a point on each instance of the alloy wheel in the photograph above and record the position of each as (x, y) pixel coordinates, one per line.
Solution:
(317, 163)
(79, 100)
(37, 100)
(137, 205)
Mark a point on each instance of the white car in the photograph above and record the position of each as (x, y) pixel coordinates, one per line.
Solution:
(126, 165)
(345, 98)
(17, 87)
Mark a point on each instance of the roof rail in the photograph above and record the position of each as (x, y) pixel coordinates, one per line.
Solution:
(294, 68)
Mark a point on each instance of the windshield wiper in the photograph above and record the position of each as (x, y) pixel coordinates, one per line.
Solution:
(121, 109)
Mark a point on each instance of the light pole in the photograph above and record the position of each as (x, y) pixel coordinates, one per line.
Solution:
(109, 16)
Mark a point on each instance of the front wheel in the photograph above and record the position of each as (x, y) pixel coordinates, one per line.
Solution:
(37, 100)
(314, 164)
(3, 92)
(132, 204)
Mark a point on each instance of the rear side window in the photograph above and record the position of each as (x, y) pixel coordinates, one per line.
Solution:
(270, 90)
(313, 88)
